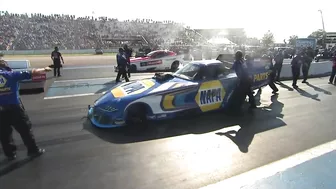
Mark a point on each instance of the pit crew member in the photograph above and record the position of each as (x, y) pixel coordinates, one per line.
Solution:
(122, 63)
(12, 112)
(245, 82)
(56, 56)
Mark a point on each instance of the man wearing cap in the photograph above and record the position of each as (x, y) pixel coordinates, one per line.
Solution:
(12, 112)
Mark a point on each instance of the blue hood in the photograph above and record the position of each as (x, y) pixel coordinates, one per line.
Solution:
(136, 89)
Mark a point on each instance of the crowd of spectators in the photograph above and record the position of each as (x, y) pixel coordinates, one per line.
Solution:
(38, 31)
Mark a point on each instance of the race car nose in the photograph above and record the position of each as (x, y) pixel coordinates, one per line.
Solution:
(104, 99)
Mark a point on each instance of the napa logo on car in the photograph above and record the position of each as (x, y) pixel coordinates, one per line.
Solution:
(132, 88)
(210, 95)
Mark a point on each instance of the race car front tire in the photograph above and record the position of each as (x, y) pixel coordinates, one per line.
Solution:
(175, 66)
(136, 116)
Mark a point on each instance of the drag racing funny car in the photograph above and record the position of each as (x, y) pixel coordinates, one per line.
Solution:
(198, 87)
(156, 60)
(37, 82)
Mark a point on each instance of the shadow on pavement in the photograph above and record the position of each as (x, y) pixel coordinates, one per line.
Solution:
(7, 167)
(192, 125)
(282, 85)
(250, 127)
(319, 89)
(31, 92)
(308, 95)
(107, 86)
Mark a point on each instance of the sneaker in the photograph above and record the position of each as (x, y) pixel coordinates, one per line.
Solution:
(275, 91)
(38, 152)
(12, 157)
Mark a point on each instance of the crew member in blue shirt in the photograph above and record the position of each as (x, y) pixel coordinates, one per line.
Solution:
(245, 81)
(12, 112)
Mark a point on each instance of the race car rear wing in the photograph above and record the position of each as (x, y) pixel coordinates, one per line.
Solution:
(226, 59)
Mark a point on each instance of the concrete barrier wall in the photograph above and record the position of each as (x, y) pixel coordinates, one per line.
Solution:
(317, 69)
(47, 52)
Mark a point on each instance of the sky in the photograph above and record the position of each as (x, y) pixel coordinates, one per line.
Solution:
(283, 18)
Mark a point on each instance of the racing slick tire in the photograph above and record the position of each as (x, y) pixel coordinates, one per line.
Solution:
(175, 66)
(136, 117)
(133, 68)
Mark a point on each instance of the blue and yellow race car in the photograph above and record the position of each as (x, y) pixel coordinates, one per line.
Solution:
(198, 87)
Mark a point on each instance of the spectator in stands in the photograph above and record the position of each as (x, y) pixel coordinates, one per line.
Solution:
(34, 31)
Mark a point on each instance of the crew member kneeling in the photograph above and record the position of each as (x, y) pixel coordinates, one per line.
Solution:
(12, 112)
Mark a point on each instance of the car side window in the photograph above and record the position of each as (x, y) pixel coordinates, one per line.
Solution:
(158, 55)
(210, 73)
(222, 71)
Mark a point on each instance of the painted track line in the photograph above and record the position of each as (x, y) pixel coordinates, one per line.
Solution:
(271, 169)
(103, 78)
(75, 95)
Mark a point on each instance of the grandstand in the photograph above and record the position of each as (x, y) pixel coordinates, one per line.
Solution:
(39, 32)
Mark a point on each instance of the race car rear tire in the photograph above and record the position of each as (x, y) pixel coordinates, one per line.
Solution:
(133, 68)
(175, 65)
(136, 116)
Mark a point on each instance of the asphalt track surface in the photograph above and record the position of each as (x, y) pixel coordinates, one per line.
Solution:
(188, 153)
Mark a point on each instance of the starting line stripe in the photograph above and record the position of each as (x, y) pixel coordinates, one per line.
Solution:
(271, 169)
(75, 95)
(106, 78)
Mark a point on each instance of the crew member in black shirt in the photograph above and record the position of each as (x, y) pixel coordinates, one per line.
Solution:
(128, 53)
(57, 57)
(296, 65)
(122, 63)
(279, 58)
(245, 81)
(308, 59)
(268, 60)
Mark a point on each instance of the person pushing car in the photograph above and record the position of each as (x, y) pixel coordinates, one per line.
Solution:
(245, 81)
(12, 112)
